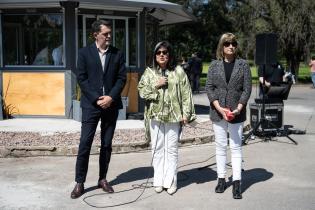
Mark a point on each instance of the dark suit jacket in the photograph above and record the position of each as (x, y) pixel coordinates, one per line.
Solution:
(92, 78)
(237, 91)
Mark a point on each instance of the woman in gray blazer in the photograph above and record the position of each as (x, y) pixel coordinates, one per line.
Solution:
(228, 88)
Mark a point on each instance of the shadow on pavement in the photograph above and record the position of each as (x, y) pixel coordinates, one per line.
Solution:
(134, 174)
(202, 109)
(89, 189)
(192, 176)
(253, 176)
(195, 176)
(184, 178)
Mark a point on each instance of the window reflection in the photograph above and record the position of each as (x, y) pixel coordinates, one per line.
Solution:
(119, 33)
(150, 41)
(33, 39)
(132, 42)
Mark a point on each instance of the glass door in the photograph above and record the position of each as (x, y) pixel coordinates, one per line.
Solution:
(85, 31)
(120, 32)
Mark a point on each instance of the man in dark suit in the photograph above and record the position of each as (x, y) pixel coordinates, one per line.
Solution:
(101, 75)
(273, 74)
(195, 64)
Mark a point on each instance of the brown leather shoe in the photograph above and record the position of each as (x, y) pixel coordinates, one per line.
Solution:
(105, 186)
(77, 191)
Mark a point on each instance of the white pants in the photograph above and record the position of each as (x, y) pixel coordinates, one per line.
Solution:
(164, 140)
(235, 133)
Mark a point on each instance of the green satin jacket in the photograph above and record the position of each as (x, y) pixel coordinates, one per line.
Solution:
(169, 104)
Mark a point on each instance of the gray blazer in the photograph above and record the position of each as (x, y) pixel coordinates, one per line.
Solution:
(237, 91)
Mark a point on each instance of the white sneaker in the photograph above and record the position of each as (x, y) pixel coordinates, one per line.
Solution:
(158, 189)
(172, 189)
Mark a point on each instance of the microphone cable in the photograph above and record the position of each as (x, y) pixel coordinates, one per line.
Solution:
(145, 184)
(142, 185)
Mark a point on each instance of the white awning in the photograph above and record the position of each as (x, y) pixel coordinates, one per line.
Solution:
(166, 12)
(172, 16)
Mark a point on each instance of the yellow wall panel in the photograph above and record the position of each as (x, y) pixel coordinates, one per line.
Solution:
(131, 90)
(30, 93)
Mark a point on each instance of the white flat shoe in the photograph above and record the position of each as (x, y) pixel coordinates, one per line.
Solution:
(172, 190)
(158, 189)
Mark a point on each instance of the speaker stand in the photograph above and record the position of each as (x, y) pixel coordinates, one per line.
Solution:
(263, 121)
(267, 135)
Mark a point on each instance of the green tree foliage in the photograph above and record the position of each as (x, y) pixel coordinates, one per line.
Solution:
(243, 19)
(293, 21)
(203, 34)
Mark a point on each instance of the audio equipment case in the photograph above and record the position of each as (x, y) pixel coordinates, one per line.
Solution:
(273, 116)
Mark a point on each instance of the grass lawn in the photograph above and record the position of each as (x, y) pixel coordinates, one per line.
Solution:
(304, 73)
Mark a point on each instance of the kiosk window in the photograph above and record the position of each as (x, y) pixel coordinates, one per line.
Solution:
(33, 39)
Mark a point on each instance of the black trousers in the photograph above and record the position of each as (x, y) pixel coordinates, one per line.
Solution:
(90, 119)
(194, 81)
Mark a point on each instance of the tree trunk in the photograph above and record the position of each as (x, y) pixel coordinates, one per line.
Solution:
(307, 54)
(294, 64)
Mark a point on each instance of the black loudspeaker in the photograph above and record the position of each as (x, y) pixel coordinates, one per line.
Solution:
(266, 49)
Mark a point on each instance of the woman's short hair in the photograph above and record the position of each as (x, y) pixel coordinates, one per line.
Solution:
(171, 57)
(227, 37)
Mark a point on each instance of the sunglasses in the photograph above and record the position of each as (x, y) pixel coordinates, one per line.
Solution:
(164, 52)
(227, 44)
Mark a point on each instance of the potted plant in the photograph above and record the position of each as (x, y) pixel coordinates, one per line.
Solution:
(76, 108)
(6, 110)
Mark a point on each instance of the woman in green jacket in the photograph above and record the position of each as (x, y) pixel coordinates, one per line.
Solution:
(169, 105)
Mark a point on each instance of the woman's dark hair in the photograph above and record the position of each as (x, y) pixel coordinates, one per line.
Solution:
(96, 25)
(171, 58)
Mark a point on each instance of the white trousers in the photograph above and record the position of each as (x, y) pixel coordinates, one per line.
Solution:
(164, 140)
(235, 133)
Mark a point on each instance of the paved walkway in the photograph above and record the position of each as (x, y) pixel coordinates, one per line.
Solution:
(42, 137)
(278, 174)
(23, 137)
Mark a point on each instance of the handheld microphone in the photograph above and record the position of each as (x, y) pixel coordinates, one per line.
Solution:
(164, 75)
